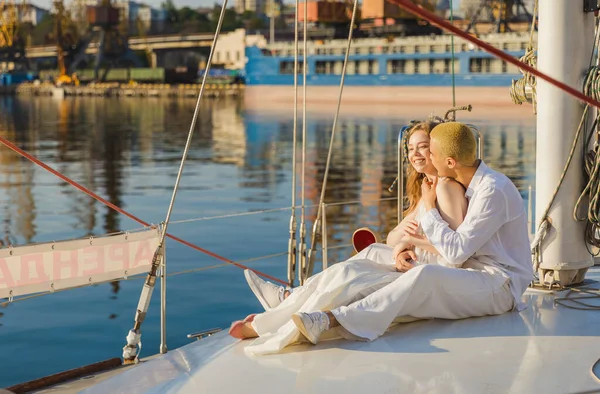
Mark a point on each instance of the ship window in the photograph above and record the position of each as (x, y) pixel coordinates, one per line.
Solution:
(287, 67)
(385, 49)
(431, 66)
(321, 67)
(475, 65)
(447, 69)
(480, 65)
(396, 66)
(373, 67)
(504, 67)
(487, 65)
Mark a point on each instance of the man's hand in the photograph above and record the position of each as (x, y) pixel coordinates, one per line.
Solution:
(428, 193)
(402, 259)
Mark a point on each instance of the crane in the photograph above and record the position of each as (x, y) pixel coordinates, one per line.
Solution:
(12, 47)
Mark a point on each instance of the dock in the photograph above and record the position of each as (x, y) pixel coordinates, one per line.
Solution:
(124, 90)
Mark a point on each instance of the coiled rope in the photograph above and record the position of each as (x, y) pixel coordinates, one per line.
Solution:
(591, 167)
(518, 92)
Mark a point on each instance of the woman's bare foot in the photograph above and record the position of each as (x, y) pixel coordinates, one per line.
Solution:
(241, 330)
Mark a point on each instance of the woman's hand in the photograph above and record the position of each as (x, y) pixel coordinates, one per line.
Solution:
(428, 193)
(407, 227)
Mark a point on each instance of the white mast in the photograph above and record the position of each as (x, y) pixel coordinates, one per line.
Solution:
(565, 41)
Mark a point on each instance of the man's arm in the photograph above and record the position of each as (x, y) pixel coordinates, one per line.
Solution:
(421, 242)
(486, 214)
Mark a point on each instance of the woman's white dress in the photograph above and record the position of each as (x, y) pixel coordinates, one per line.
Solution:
(340, 284)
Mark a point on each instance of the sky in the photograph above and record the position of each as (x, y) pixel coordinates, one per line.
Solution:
(182, 3)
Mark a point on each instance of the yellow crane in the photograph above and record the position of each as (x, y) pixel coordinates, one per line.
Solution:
(8, 23)
(12, 47)
(67, 36)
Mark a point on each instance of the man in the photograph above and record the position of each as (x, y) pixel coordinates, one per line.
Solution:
(488, 256)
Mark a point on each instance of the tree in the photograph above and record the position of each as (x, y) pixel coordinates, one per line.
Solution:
(230, 19)
(43, 32)
(172, 12)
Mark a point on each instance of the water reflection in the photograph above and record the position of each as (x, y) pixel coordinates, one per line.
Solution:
(100, 143)
(128, 151)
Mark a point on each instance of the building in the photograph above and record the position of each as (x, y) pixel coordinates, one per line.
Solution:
(257, 6)
(469, 7)
(26, 13)
(138, 15)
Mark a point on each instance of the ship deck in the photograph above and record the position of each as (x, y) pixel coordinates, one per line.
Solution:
(545, 348)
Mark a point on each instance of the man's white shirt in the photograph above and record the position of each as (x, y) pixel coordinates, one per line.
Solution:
(493, 233)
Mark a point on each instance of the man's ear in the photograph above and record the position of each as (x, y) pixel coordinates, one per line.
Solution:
(450, 162)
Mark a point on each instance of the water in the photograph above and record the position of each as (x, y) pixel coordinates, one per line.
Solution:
(128, 151)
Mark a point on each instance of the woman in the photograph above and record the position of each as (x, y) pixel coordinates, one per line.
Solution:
(368, 271)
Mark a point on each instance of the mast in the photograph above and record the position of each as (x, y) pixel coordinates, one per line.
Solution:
(565, 44)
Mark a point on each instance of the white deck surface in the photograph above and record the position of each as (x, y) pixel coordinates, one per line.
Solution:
(546, 348)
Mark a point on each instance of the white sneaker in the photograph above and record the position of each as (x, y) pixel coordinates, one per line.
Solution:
(311, 325)
(268, 294)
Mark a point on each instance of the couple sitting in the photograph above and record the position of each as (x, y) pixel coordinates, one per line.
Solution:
(461, 251)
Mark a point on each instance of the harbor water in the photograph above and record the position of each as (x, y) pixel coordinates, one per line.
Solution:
(128, 151)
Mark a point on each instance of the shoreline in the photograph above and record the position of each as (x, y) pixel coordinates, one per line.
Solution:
(394, 101)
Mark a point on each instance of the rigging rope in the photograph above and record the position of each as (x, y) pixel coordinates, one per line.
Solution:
(292, 243)
(593, 293)
(545, 221)
(431, 17)
(302, 251)
(141, 276)
(518, 92)
(589, 89)
(95, 196)
(4, 304)
(317, 225)
(591, 167)
(238, 214)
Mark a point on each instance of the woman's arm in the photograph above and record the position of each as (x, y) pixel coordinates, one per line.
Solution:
(451, 203)
(408, 223)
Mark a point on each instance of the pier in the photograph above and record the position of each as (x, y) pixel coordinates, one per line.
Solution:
(124, 90)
